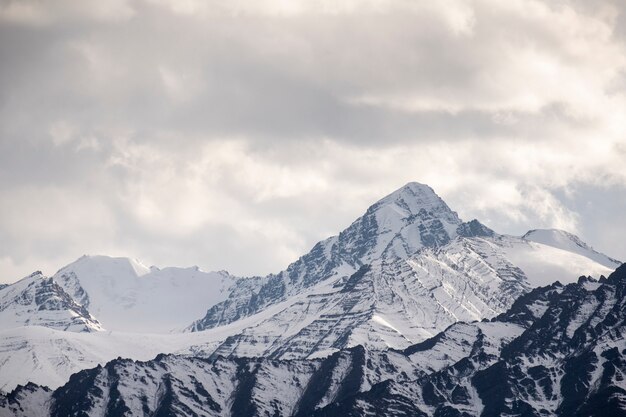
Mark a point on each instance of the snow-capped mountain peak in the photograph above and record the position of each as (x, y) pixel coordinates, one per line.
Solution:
(397, 226)
(413, 198)
(455, 270)
(406, 269)
(401, 223)
(39, 300)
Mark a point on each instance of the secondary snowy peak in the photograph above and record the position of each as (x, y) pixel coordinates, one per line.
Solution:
(569, 242)
(39, 301)
(117, 273)
(395, 227)
(126, 295)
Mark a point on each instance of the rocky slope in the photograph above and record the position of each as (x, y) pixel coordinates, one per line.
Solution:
(569, 361)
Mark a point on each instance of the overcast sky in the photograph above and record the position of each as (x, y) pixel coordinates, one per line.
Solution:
(234, 135)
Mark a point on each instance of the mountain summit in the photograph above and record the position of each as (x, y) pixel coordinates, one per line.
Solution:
(413, 198)
(395, 227)
(406, 269)
(401, 223)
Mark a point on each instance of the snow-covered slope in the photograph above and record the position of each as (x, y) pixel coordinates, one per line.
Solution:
(558, 351)
(128, 296)
(385, 306)
(48, 357)
(395, 304)
(569, 361)
(561, 239)
(39, 301)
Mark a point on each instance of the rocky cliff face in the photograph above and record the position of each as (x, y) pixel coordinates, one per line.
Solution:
(568, 361)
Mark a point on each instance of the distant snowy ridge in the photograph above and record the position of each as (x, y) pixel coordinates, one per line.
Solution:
(569, 242)
(128, 296)
(119, 294)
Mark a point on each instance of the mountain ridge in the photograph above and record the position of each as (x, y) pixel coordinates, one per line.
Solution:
(546, 355)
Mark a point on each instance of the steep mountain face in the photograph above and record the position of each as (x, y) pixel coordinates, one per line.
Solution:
(128, 296)
(39, 301)
(385, 305)
(404, 301)
(558, 351)
(397, 226)
(569, 361)
(174, 385)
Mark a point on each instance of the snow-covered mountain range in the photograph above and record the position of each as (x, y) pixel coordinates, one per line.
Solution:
(403, 272)
(558, 351)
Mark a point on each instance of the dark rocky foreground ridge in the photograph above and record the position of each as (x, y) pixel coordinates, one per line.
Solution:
(558, 351)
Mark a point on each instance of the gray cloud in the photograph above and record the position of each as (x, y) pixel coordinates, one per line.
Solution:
(236, 135)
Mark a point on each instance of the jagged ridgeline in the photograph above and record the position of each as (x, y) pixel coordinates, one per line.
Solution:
(409, 311)
(559, 350)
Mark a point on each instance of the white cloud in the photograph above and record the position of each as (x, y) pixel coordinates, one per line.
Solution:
(193, 132)
(62, 132)
(43, 13)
